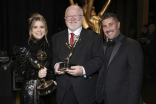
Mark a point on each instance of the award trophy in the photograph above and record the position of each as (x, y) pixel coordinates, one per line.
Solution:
(45, 87)
(67, 65)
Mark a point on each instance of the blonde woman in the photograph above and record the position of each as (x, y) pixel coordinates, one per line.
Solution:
(34, 58)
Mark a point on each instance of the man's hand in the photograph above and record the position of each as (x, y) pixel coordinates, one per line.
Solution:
(77, 71)
(57, 66)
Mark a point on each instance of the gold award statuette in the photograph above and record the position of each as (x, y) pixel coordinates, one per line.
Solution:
(91, 19)
(41, 55)
(46, 87)
(67, 65)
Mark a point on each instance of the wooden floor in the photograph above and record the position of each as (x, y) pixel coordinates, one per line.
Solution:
(148, 94)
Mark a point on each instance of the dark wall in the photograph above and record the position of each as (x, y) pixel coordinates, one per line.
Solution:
(15, 13)
(14, 19)
(152, 11)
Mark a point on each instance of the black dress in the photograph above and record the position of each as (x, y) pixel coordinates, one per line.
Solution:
(28, 66)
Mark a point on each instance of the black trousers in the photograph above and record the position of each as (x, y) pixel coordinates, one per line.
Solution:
(70, 98)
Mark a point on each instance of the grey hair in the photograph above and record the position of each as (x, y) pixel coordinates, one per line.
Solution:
(76, 7)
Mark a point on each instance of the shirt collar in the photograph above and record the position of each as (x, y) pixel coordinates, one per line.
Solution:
(76, 32)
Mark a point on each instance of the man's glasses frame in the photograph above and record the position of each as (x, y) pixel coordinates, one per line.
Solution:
(75, 16)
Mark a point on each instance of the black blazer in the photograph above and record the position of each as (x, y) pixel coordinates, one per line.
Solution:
(89, 54)
(120, 82)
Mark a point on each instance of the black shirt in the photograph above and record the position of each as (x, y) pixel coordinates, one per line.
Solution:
(109, 49)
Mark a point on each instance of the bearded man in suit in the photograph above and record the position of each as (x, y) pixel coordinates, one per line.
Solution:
(120, 78)
(77, 86)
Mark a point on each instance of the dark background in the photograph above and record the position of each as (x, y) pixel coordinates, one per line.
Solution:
(14, 16)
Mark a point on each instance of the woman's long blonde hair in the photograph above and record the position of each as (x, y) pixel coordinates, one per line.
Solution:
(32, 20)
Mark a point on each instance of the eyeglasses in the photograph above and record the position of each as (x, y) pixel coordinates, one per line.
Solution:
(75, 16)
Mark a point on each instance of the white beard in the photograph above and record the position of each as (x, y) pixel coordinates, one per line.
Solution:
(73, 28)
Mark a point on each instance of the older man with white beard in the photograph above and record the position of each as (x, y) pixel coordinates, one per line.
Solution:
(77, 85)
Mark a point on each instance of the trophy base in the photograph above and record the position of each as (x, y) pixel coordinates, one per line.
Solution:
(46, 87)
(64, 66)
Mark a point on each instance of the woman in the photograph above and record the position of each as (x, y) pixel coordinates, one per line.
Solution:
(34, 59)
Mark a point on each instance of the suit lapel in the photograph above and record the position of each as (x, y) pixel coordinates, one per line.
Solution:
(63, 49)
(116, 48)
(104, 48)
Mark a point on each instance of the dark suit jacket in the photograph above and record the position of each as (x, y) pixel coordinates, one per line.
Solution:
(89, 54)
(120, 82)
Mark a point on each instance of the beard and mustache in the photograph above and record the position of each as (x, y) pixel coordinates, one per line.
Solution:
(73, 28)
(112, 37)
(109, 31)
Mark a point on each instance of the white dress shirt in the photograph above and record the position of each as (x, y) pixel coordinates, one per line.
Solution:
(76, 32)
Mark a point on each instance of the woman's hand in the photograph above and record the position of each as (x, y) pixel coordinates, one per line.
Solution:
(42, 73)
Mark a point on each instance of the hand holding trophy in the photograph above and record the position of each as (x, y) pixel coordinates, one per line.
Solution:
(46, 87)
(67, 65)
